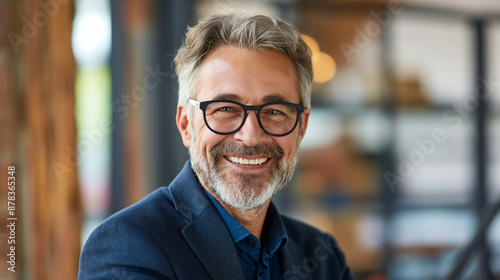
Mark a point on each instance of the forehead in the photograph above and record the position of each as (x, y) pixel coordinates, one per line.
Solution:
(250, 74)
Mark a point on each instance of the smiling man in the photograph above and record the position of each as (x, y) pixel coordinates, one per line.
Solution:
(244, 103)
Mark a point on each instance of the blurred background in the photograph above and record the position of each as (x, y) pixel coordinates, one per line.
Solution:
(401, 160)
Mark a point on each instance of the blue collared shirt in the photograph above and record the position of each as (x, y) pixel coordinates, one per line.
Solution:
(258, 260)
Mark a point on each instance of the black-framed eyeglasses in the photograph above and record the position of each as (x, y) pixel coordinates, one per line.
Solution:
(226, 117)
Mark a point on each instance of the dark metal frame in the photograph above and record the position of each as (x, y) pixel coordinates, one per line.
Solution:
(386, 160)
(171, 20)
(117, 87)
(485, 216)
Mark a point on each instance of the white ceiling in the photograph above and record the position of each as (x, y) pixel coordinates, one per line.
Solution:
(473, 7)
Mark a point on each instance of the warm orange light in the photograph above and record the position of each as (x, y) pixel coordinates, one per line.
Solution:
(324, 66)
(313, 45)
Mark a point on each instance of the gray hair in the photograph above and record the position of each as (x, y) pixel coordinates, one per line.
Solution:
(245, 31)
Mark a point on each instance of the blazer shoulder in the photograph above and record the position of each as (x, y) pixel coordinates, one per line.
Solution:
(312, 244)
(308, 237)
(155, 216)
(299, 230)
(150, 206)
(133, 238)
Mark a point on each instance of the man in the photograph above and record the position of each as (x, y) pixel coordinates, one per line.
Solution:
(244, 103)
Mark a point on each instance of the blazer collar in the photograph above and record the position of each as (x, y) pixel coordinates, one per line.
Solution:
(206, 232)
(187, 193)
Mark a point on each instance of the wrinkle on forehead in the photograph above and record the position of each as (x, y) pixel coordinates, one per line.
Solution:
(233, 70)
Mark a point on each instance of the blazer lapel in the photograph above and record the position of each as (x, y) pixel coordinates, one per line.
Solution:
(206, 232)
(213, 245)
(290, 257)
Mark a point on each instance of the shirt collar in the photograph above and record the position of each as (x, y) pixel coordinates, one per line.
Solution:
(274, 232)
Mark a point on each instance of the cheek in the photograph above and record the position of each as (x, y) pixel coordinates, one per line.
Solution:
(288, 144)
(199, 131)
(198, 124)
(206, 140)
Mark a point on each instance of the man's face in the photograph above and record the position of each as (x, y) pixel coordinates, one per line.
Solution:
(246, 168)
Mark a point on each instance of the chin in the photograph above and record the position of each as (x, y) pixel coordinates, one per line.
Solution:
(243, 197)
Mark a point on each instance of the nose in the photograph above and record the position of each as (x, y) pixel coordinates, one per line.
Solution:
(250, 132)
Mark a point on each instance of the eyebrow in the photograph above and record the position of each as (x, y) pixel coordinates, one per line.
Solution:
(274, 97)
(227, 96)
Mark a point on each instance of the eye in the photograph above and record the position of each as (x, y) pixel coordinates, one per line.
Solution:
(225, 109)
(275, 112)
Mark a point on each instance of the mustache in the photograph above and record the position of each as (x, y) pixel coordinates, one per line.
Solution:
(270, 150)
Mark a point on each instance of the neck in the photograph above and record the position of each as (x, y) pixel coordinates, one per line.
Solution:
(252, 220)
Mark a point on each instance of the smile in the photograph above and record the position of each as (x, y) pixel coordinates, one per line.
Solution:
(244, 161)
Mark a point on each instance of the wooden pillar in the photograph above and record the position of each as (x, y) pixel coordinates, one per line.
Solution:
(10, 127)
(44, 64)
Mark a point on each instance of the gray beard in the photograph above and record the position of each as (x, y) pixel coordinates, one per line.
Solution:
(239, 190)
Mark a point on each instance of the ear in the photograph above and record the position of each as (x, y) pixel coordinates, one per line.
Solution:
(305, 120)
(183, 125)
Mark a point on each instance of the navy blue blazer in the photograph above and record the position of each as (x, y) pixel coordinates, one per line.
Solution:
(177, 233)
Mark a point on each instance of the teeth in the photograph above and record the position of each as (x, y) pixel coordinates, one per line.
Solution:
(257, 161)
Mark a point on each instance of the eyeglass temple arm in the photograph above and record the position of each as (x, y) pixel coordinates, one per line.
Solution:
(194, 102)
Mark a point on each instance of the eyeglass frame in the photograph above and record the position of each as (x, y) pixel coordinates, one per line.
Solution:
(202, 105)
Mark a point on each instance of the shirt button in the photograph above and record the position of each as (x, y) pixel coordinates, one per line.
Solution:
(251, 242)
(261, 273)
